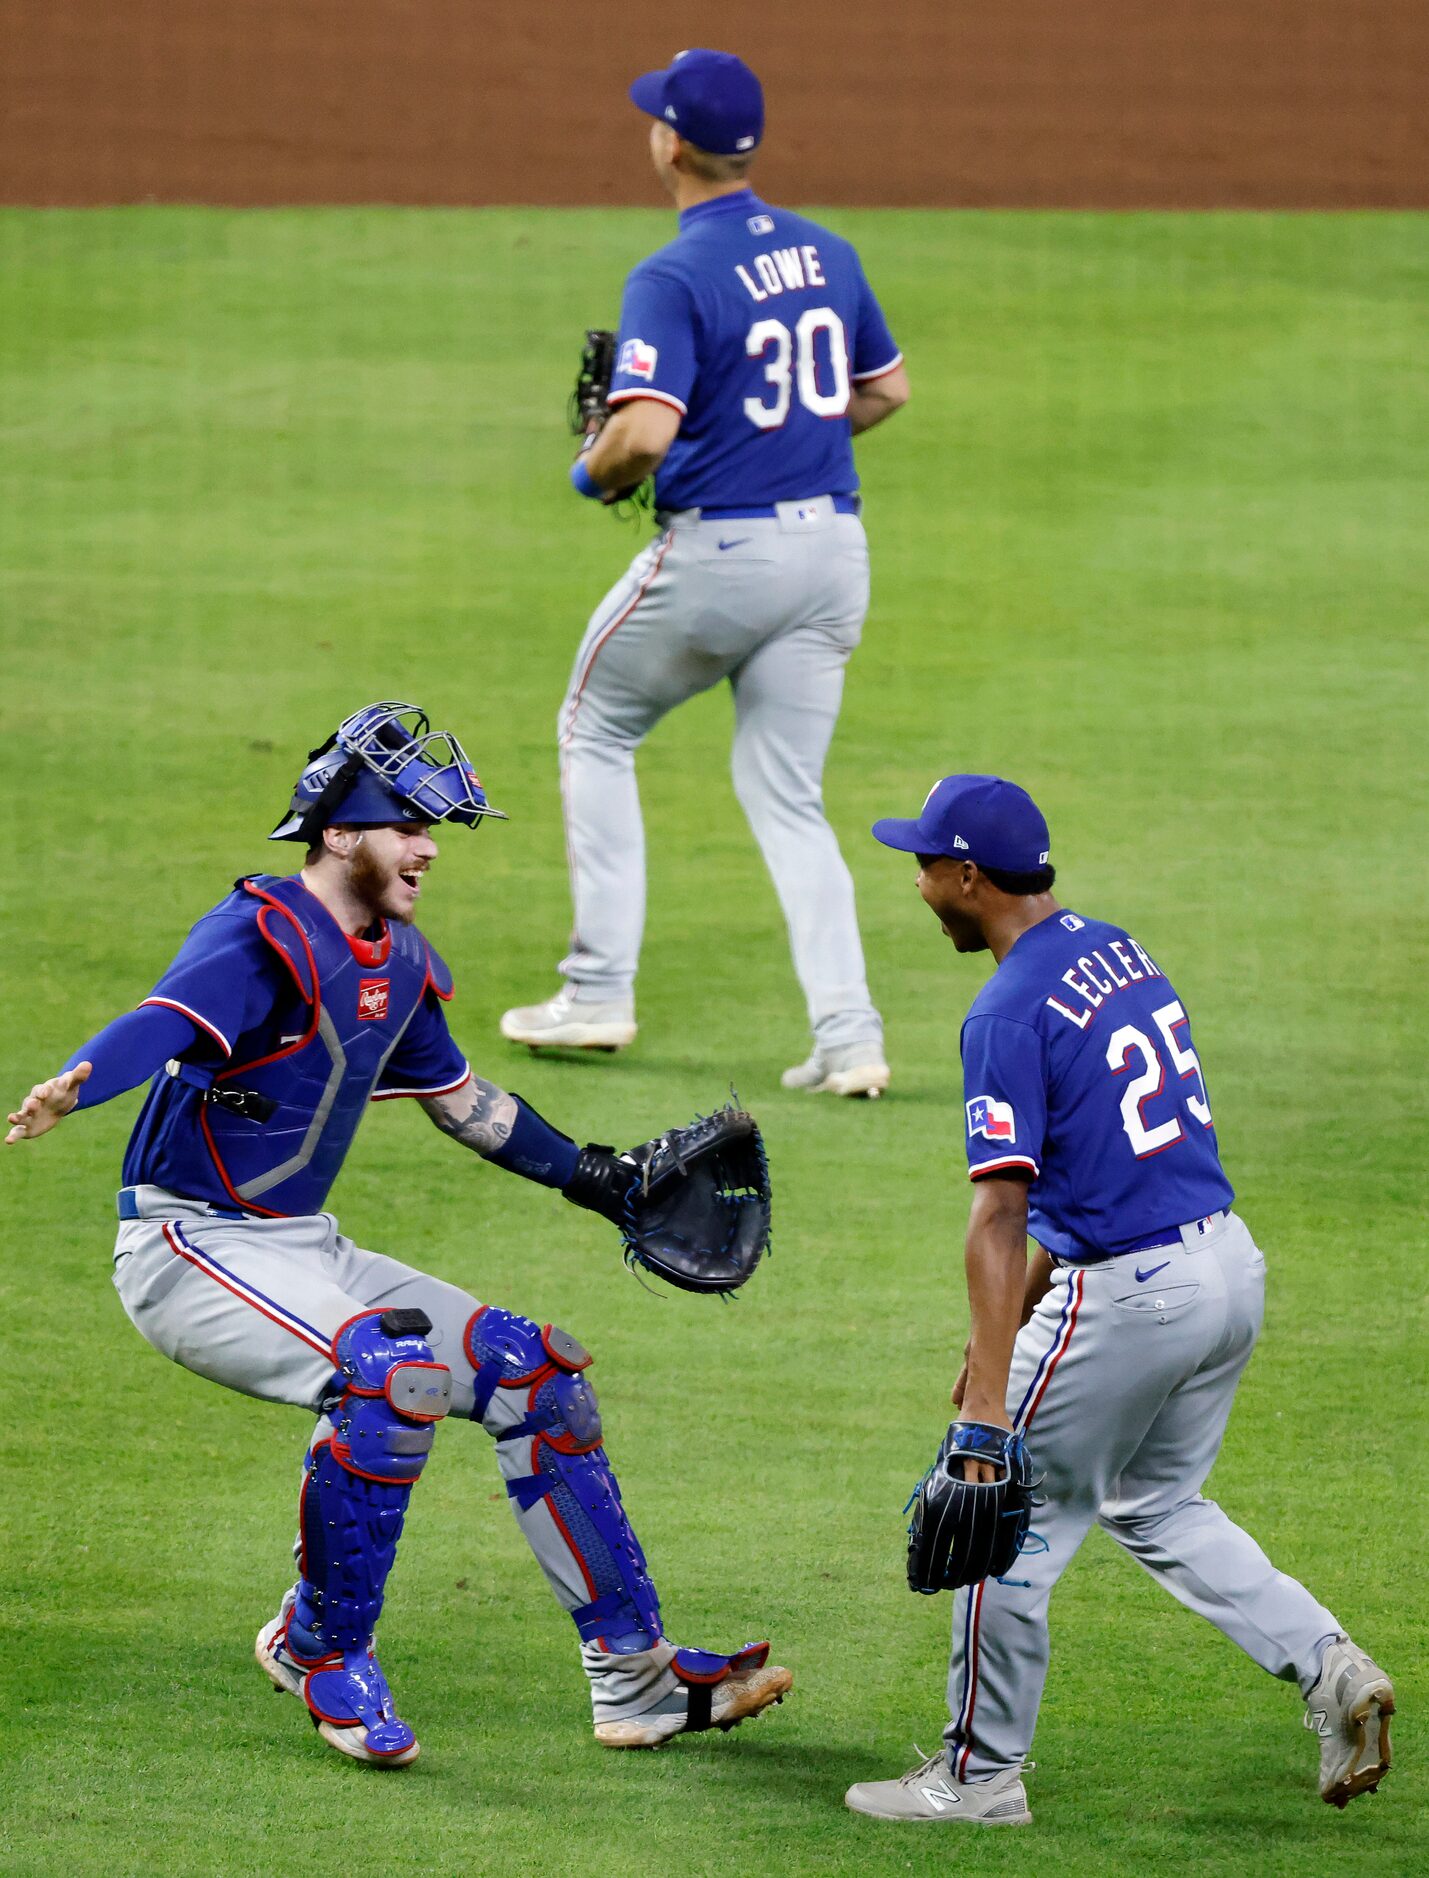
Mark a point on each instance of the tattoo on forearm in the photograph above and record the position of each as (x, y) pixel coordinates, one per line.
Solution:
(478, 1115)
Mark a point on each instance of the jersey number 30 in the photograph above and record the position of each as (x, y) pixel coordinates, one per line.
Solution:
(794, 357)
(1151, 1081)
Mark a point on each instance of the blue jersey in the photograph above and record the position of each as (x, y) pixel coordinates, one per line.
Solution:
(754, 324)
(249, 982)
(1078, 1066)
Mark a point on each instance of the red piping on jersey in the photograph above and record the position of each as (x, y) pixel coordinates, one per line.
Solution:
(1008, 1160)
(867, 378)
(392, 1095)
(660, 397)
(172, 1004)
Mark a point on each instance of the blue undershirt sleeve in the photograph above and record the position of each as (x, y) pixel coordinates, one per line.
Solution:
(536, 1150)
(131, 1050)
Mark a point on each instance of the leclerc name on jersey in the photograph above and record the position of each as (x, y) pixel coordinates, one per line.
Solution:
(1094, 986)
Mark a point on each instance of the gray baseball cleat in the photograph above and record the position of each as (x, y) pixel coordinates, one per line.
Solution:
(929, 1793)
(567, 1022)
(854, 1069)
(1349, 1709)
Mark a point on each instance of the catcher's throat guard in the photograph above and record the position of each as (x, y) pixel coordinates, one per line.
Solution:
(385, 764)
(963, 1531)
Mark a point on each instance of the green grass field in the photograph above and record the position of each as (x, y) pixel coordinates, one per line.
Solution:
(1151, 539)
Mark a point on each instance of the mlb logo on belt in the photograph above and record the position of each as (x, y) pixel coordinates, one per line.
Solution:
(987, 1116)
(637, 359)
(372, 997)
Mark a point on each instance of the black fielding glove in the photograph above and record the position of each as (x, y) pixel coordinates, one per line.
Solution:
(601, 1182)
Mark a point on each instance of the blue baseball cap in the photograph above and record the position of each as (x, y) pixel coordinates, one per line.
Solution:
(711, 98)
(975, 818)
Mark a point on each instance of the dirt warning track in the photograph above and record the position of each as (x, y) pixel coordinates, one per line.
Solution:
(1078, 103)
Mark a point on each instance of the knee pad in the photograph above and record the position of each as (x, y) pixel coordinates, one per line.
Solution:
(567, 1469)
(390, 1393)
(510, 1352)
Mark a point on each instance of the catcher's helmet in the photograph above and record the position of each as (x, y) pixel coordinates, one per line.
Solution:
(385, 764)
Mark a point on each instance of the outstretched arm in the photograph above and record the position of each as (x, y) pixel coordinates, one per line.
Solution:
(125, 1053)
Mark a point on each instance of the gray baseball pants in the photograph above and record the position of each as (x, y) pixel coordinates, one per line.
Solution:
(254, 1304)
(776, 606)
(1123, 1388)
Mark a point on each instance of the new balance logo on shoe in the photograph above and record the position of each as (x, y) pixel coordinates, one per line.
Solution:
(941, 1796)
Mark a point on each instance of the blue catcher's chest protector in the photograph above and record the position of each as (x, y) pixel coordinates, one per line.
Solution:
(279, 1150)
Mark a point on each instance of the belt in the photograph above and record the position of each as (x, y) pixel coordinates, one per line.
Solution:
(127, 1202)
(843, 505)
(1179, 1237)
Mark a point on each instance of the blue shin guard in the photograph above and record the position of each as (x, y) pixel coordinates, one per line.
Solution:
(354, 1499)
(559, 1435)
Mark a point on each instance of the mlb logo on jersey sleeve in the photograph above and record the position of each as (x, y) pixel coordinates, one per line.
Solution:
(372, 997)
(987, 1116)
(637, 360)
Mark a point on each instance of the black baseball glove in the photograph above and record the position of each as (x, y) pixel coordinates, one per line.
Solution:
(587, 403)
(964, 1531)
(692, 1205)
(587, 409)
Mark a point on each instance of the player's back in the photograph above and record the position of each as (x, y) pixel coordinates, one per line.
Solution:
(1092, 1050)
(754, 323)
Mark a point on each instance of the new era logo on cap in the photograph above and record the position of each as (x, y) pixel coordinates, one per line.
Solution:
(710, 97)
(984, 818)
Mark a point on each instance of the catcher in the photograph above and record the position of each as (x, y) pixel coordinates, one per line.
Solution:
(290, 1006)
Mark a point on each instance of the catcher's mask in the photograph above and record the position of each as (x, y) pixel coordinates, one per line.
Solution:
(385, 764)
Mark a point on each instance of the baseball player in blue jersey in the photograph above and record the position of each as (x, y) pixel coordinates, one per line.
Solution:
(751, 350)
(289, 1007)
(1116, 1349)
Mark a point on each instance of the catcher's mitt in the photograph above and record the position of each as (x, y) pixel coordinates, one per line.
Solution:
(587, 405)
(692, 1205)
(964, 1531)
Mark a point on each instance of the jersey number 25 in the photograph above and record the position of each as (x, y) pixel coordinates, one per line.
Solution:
(1152, 1080)
(795, 359)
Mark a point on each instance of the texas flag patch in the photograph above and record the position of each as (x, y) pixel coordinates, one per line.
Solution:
(987, 1116)
(637, 360)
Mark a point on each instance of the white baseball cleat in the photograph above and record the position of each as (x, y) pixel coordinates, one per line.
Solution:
(566, 1022)
(928, 1793)
(1349, 1709)
(395, 1744)
(854, 1069)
